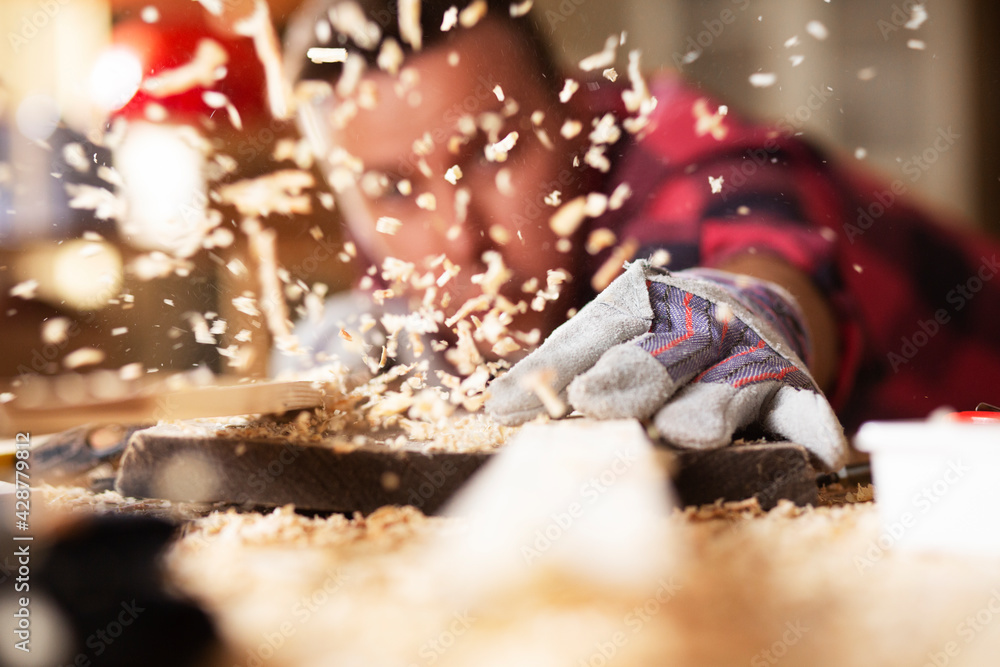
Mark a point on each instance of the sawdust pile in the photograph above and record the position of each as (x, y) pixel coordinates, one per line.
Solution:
(803, 586)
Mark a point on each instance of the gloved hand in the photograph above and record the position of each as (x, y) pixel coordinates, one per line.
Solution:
(702, 352)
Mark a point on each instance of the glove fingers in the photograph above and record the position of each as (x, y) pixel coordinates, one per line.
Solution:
(806, 418)
(626, 382)
(571, 350)
(705, 415)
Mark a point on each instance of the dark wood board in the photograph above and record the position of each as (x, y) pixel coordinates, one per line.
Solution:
(179, 465)
(769, 471)
(268, 473)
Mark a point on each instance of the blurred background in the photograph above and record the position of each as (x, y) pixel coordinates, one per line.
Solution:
(894, 76)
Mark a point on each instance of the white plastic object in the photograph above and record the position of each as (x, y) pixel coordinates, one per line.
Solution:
(937, 484)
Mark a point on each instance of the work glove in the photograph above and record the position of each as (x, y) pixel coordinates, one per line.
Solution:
(702, 352)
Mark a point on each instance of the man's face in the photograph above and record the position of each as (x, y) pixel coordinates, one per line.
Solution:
(506, 209)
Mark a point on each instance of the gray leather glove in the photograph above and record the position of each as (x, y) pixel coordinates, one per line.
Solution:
(702, 352)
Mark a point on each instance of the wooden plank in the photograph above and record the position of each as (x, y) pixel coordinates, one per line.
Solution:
(160, 463)
(175, 464)
(769, 471)
(188, 403)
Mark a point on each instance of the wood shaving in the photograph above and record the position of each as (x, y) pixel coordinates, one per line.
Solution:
(450, 271)
(453, 175)
(397, 271)
(27, 290)
(157, 264)
(569, 217)
(84, 356)
(390, 56)
(327, 55)
(105, 204)
(427, 201)
(73, 154)
(817, 30)
(132, 371)
(596, 204)
(497, 152)
(279, 192)
(298, 151)
(518, 9)
(220, 237)
(763, 79)
(499, 234)
(472, 14)
(540, 384)
(603, 59)
(600, 239)
(199, 326)
(348, 19)
(495, 276)
(324, 31)
(450, 19)
(350, 76)
(464, 356)
(569, 89)
(201, 71)
(638, 99)
(606, 130)
(614, 264)
(618, 198)
(155, 113)
(463, 197)
(409, 23)
(216, 100)
(475, 304)
(554, 280)
(505, 346)
(387, 225)
(571, 128)
(660, 258)
(597, 159)
(236, 267)
(918, 15)
(544, 139)
(247, 305)
(863, 494)
(505, 182)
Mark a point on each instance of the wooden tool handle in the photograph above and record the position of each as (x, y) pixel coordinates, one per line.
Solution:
(192, 403)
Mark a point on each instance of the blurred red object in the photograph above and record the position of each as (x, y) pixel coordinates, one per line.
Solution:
(977, 417)
(172, 42)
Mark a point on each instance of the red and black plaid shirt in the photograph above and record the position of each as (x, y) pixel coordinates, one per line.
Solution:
(918, 303)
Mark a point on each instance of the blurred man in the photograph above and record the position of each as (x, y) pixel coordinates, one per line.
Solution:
(890, 315)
